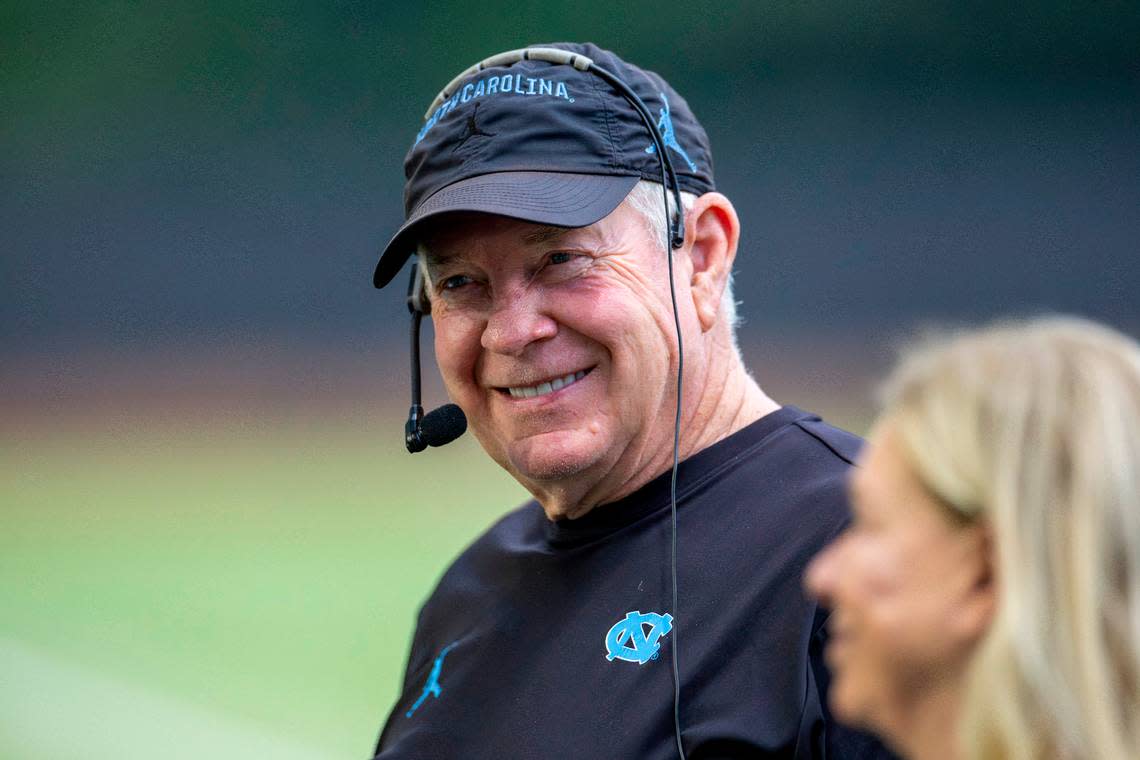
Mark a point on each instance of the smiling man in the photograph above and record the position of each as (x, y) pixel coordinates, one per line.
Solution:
(560, 346)
(541, 237)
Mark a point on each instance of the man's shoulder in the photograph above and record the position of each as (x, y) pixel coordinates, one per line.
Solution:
(792, 449)
(812, 454)
(844, 445)
(790, 481)
(826, 455)
(787, 433)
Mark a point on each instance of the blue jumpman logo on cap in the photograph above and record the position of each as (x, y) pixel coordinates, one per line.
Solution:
(669, 136)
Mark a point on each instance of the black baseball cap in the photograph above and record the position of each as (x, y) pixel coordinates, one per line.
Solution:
(543, 142)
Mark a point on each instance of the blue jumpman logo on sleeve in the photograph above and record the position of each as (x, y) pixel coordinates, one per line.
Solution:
(431, 688)
(669, 136)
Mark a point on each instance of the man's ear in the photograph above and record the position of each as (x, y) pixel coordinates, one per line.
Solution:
(712, 231)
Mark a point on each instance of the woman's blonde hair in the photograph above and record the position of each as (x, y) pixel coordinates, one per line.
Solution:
(1035, 427)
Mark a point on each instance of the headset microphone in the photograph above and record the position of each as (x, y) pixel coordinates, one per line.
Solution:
(439, 426)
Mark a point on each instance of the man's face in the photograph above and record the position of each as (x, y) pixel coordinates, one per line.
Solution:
(558, 344)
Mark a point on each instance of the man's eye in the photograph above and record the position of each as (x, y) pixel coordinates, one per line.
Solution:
(560, 257)
(563, 266)
(455, 281)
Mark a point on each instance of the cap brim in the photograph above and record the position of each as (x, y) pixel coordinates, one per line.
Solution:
(561, 199)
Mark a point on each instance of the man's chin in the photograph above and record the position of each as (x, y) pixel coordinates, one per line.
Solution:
(554, 456)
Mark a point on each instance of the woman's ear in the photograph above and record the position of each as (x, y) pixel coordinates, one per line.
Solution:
(979, 600)
(711, 235)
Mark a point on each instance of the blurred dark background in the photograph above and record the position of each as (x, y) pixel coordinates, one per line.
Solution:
(213, 541)
(196, 178)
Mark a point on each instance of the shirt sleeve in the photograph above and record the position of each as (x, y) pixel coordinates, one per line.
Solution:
(413, 666)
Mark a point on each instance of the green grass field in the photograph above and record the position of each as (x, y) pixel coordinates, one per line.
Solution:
(208, 589)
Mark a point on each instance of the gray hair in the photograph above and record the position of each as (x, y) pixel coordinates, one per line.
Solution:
(1033, 427)
(646, 199)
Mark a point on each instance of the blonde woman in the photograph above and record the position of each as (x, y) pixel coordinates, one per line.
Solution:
(986, 599)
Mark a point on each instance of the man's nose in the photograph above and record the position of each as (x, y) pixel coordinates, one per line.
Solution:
(517, 319)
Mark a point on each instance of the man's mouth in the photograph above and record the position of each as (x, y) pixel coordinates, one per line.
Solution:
(546, 387)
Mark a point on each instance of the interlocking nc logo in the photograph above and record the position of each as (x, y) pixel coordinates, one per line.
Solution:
(629, 641)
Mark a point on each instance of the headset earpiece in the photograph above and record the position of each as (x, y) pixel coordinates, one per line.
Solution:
(417, 299)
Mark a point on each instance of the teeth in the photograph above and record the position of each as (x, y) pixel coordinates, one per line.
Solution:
(548, 387)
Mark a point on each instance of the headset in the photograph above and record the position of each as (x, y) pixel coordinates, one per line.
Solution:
(440, 426)
(445, 424)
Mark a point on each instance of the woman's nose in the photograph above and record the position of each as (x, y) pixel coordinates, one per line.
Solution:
(819, 578)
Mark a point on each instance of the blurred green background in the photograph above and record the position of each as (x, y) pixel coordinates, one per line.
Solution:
(213, 544)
